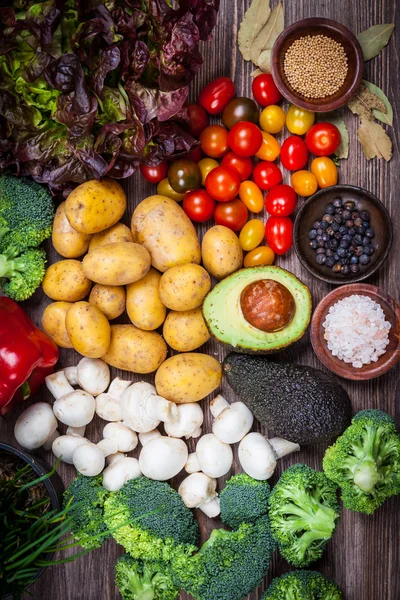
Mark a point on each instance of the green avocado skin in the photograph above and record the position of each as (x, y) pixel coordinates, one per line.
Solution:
(297, 403)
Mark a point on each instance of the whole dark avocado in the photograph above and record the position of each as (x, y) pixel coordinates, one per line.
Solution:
(294, 402)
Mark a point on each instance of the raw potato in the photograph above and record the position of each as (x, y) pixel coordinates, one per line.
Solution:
(68, 242)
(66, 281)
(110, 299)
(143, 303)
(119, 263)
(95, 205)
(221, 251)
(134, 350)
(117, 233)
(166, 231)
(88, 329)
(188, 377)
(184, 287)
(186, 330)
(53, 322)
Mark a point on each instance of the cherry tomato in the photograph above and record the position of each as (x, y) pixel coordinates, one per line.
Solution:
(231, 214)
(195, 155)
(267, 175)
(222, 184)
(325, 171)
(245, 138)
(265, 91)
(272, 119)
(198, 119)
(216, 95)
(214, 141)
(243, 165)
(269, 149)
(299, 120)
(323, 139)
(281, 201)
(252, 234)
(304, 183)
(261, 256)
(184, 175)
(206, 165)
(164, 189)
(199, 206)
(251, 195)
(279, 234)
(294, 153)
(240, 109)
(155, 173)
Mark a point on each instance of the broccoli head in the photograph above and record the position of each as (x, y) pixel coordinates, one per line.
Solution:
(150, 520)
(141, 580)
(365, 461)
(88, 526)
(243, 500)
(303, 510)
(303, 585)
(21, 273)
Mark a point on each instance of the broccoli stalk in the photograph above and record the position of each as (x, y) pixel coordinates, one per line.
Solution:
(141, 580)
(21, 273)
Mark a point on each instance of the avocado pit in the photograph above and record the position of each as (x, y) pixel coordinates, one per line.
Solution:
(267, 305)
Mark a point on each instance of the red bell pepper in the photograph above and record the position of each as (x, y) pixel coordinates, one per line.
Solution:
(27, 355)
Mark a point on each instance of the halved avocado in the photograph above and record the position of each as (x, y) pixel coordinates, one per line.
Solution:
(258, 309)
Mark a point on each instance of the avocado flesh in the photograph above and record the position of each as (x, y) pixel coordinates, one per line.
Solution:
(225, 320)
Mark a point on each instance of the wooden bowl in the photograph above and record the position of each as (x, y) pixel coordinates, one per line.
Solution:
(313, 209)
(332, 29)
(346, 370)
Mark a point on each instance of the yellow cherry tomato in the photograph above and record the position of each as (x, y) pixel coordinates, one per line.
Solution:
(270, 148)
(206, 165)
(164, 189)
(299, 120)
(304, 183)
(252, 234)
(251, 196)
(272, 119)
(325, 171)
(261, 256)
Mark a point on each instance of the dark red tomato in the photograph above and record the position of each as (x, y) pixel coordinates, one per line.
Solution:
(265, 90)
(245, 138)
(155, 173)
(267, 175)
(214, 141)
(281, 201)
(184, 175)
(199, 206)
(222, 184)
(294, 153)
(323, 139)
(240, 109)
(279, 234)
(195, 155)
(243, 165)
(231, 214)
(198, 119)
(216, 95)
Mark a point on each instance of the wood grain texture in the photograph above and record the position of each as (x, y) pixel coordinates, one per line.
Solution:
(364, 556)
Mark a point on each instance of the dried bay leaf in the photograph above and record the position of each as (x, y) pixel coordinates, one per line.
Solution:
(364, 102)
(253, 21)
(375, 38)
(374, 140)
(267, 36)
(336, 119)
(384, 117)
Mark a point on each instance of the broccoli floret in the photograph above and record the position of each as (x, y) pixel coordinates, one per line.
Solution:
(229, 565)
(303, 585)
(88, 526)
(140, 580)
(150, 520)
(21, 274)
(303, 510)
(243, 500)
(365, 461)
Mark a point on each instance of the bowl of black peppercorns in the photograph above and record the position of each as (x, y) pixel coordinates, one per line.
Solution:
(342, 234)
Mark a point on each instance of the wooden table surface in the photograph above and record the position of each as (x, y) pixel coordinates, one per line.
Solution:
(363, 557)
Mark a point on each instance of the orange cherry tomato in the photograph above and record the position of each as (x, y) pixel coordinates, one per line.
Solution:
(263, 255)
(252, 234)
(325, 171)
(206, 165)
(304, 183)
(270, 148)
(251, 195)
(214, 141)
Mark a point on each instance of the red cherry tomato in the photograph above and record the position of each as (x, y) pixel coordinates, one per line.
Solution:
(245, 138)
(294, 153)
(155, 173)
(265, 90)
(279, 234)
(198, 119)
(222, 184)
(214, 141)
(195, 155)
(281, 201)
(323, 139)
(267, 175)
(199, 206)
(231, 214)
(243, 165)
(216, 95)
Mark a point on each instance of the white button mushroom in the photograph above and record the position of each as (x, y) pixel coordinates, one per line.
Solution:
(58, 385)
(258, 456)
(189, 421)
(148, 435)
(112, 458)
(65, 445)
(215, 457)
(232, 421)
(35, 426)
(71, 373)
(75, 409)
(108, 407)
(76, 430)
(125, 438)
(162, 458)
(119, 472)
(108, 446)
(88, 459)
(93, 375)
(49, 442)
(192, 464)
(118, 387)
(142, 409)
(199, 490)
